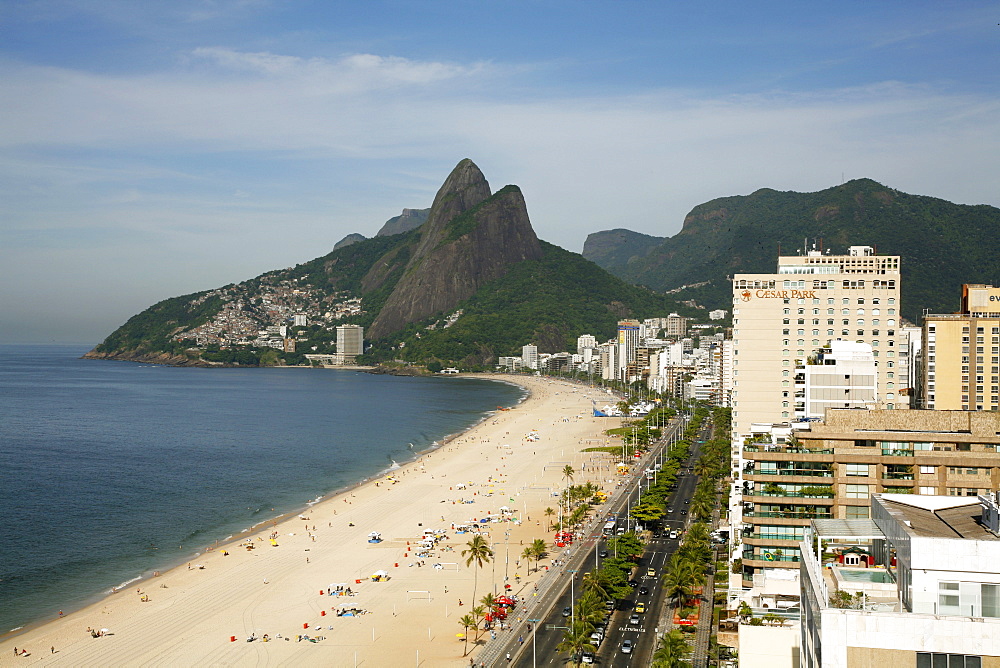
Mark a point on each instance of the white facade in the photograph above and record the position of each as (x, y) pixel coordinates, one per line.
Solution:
(350, 341)
(841, 376)
(529, 356)
(947, 574)
(812, 300)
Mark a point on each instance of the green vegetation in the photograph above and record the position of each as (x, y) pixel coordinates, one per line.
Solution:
(150, 331)
(942, 245)
(549, 302)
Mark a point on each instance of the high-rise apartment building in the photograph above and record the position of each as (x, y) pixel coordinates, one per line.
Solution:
(839, 376)
(584, 342)
(781, 319)
(830, 469)
(961, 353)
(350, 343)
(677, 325)
(629, 334)
(529, 356)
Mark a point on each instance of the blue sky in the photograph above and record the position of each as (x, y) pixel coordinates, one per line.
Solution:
(151, 149)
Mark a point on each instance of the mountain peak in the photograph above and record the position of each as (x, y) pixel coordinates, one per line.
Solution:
(464, 188)
(470, 238)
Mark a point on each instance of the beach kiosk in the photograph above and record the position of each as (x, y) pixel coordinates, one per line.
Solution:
(374, 537)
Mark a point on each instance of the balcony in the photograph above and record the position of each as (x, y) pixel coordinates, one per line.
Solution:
(792, 515)
(897, 476)
(770, 556)
(794, 495)
(893, 452)
(797, 449)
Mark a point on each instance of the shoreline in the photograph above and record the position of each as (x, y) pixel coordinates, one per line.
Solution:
(288, 515)
(409, 474)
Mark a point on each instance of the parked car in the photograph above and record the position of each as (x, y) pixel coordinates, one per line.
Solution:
(566, 611)
(587, 657)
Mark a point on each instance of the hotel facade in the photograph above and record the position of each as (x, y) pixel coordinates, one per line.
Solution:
(961, 369)
(781, 319)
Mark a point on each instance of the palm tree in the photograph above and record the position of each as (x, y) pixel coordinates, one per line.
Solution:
(590, 608)
(549, 513)
(576, 640)
(567, 473)
(680, 580)
(478, 613)
(528, 554)
(488, 600)
(598, 582)
(538, 550)
(467, 622)
(670, 650)
(479, 552)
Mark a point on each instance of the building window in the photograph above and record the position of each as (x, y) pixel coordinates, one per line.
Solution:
(857, 491)
(857, 512)
(928, 491)
(948, 598)
(928, 470)
(856, 470)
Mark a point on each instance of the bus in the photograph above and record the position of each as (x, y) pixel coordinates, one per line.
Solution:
(609, 528)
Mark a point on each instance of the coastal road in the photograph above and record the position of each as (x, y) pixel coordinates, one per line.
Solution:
(644, 635)
(548, 631)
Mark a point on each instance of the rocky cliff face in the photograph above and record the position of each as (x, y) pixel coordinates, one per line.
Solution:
(469, 239)
(348, 240)
(410, 219)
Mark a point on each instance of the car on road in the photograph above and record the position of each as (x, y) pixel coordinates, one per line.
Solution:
(640, 607)
(634, 620)
(673, 534)
(566, 611)
(627, 647)
(633, 583)
(651, 572)
(643, 591)
(609, 605)
(670, 510)
(687, 501)
(684, 512)
(603, 554)
(587, 657)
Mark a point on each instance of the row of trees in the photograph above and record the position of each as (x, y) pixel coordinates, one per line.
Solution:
(610, 582)
(479, 552)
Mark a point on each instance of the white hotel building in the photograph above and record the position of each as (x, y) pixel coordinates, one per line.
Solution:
(782, 319)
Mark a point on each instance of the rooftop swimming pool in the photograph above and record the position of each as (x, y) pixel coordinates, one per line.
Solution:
(865, 575)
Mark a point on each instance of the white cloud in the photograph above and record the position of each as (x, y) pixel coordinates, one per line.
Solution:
(147, 167)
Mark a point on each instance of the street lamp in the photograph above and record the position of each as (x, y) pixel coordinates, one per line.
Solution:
(572, 599)
(534, 630)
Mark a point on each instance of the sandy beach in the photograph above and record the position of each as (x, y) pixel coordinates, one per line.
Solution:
(189, 615)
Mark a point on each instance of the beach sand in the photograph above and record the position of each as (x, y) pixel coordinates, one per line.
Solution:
(411, 618)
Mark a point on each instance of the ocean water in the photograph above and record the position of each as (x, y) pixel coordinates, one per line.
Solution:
(110, 470)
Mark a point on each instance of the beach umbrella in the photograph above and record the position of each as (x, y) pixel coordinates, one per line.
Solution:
(459, 635)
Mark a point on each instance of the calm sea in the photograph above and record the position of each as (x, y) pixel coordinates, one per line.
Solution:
(110, 470)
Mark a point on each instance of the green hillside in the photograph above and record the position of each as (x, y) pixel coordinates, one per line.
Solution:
(942, 245)
(548, 302)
